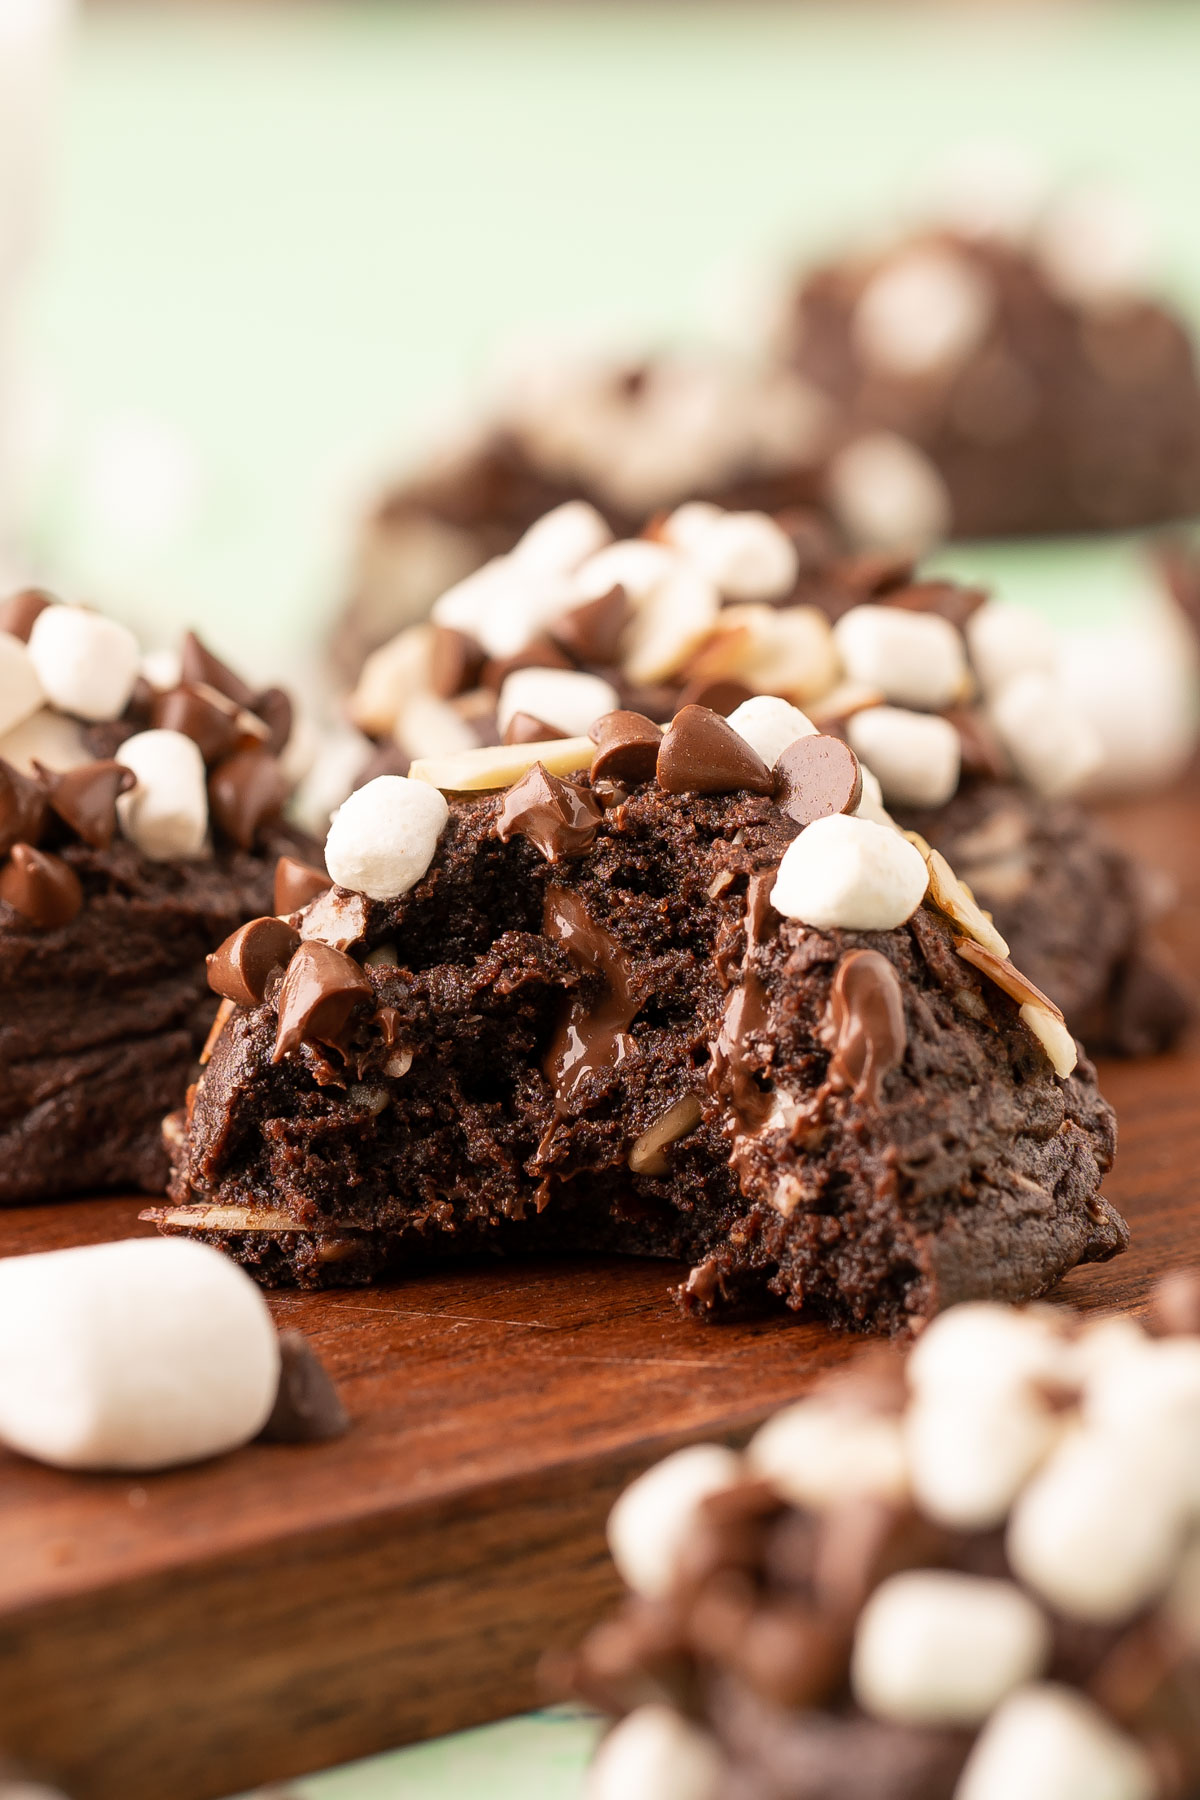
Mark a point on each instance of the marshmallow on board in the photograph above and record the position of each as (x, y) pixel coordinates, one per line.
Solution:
(142, 1354)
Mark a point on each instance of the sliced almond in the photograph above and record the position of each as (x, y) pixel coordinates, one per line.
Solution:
(955, 899)
(223, 1218)
(1053, 1036)
(398, 1064)
(646, 1157)
(390, 677)
(217, 1027)
(998, 969)
(721, 880)
(842, 702)
(785, 650)
(669, 626)
(499, 765)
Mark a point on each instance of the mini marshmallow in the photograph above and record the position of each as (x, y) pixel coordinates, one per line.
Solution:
(562, 539)
(670, 624)
(689, 523)
(819, 1453)
(1046, 1742)
(46, 737)
(1005, 640)
(135, 1355)
(1095, 248)
(769, 725)
(1052, 745)
(20, 690)
(871, 805)
(502, 605)
(87, 664)
(914, 659)
(162, 668)
(888, 494)
(934, 1647)
(746, 555)
(338, 756)
(924, 313)
(850, 874)
(970, 1454)
(917, 757)
(383, 838)
(567, 699)
(655, 1754)
(637, 564)
(1136, 687)
(427, 726)
(166, 814)
(1097, 1530)
(985, 1345)
(650, 1524)
(1153, 1389)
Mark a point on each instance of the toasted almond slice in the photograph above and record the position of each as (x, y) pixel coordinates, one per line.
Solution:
(842, 702)
(390, 677)
(955, 899)
(217, 1027)
(669, 625)
(786, 650)
(998, 969)
(1053, 1036)
(721, 880)
(222, 1218)
(499, 765)
(646, 1157)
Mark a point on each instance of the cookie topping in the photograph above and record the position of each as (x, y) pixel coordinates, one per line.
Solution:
(87, 664)
(320, 990)
(21, 694)
(166, 814)
(915, 756)
(308, 1408)
(383, 838)
(296, 883)
(1001, 971)
(243, 965)
(851, 874)
(455, 661)
(592, 632)
(769, 725)
(567, 699)
(915, 658)
(198, 666)
(523, 728)
(203, 714)
(244, 792)
(557, 817)
(22, 809)
(593, 1036)
(19, 612)
(86, 798)
(866, 1016)
(701, 753)
(627, 746)
(42, 888)
(818, 776)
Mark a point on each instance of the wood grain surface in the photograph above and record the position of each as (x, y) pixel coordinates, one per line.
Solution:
(189, 1635)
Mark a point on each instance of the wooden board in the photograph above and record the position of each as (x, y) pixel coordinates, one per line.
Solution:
(194, 1634)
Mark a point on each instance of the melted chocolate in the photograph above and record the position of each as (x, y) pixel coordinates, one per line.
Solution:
(320, 990)
(557, 818)
(866, 1019)
(731, 1072)
(594, 1034)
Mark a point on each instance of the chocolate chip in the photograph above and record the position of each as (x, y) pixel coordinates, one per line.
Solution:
(296, 883)
(982, 751)
(199, 665)
(19, 613)
(542, 653)
(274, 708)
(592, 633)
(947, 599)
(866, 1021)
(86, 798)
(873, 572)
(212, 727)
(244, 791)
(719, 696)
(557, 818)
(307, 1407)
(792, 1655)
(627, 746)
(818, 776)
(455, 662)
(22, 809)
(41, 887)
(701, 754)
(523, 728)
(243, 965)
(320, 990)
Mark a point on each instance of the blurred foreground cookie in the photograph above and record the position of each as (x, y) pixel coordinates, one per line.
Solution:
(682, 992)
(140, 821)
(971, 1575)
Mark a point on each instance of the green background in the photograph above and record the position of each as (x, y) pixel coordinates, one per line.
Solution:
(284, 238)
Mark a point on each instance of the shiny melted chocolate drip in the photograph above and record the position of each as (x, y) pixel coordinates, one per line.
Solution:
(594, 1033)
(731, 1075)
(557, 817)
(866, 1022)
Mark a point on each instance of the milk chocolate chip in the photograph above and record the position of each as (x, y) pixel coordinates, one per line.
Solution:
(244, 792)
(701, 754)
(541, 653)
(17, 614)
(320, 990)
(213, 728)
(945, 598)
(592, 633)
(308, 1409)
(296, 883)
(455, 662)
(818, 776)
(720, 696)
(22, 809)
(274, 708)
(198, 664)
(241, 968)
(86, 798)
(523, 728)
(558, 818)
(41, 887)
(627, 746)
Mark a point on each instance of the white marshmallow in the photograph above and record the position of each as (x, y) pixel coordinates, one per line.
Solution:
(916, 756)
(1136, 687)
(690, 523)
(1097, 1530)
(655, 1754)
(924, 313)
(567, 699)
(383, 838)
(651, 1521)
(769, 725)
(166, 814)
(339, 756)
(639, 565)
(1152, 1390)
(502, 605)
(1095, 248)
(86, 663)
(46, 737)
(934, 1647)
(1005, 640)
(162, 668)
(970, 1454)
(746, 555)
(562, 539)
(20, 690)
(851, 874)
(1047, 1742)
(871, 805)
(1051, 745)
(888, 494)
(134, 1355)
(988, 189)
(670, 624)
(820, 1453)
(985, 1345)
(914, 659)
